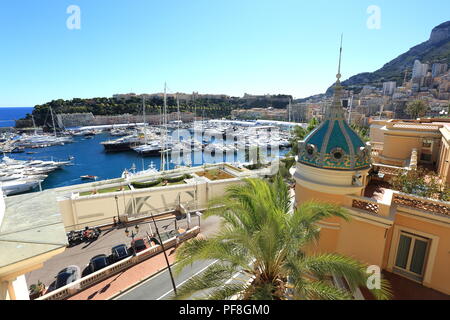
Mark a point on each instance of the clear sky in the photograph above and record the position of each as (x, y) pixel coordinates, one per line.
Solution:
(210, 46)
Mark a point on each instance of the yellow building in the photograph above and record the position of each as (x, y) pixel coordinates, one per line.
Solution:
(406, 235)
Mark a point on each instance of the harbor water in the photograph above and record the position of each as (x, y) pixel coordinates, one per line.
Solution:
(89, 158)
(9, 114)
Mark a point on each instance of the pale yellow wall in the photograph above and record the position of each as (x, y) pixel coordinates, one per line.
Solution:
(363, 241)
(303, 194)
(377, 132)
(100, 209)
(440, 278)
(400, 147)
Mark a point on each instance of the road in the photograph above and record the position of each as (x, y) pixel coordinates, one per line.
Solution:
(159, 287)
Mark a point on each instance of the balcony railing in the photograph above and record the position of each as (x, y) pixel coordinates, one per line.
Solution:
(369, 205)
(384, 169)
(425, 204)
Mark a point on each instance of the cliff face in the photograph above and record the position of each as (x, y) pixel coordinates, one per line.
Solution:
(440, 33)
(435, 49)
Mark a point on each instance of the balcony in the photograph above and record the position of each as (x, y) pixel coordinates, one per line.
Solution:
(405, 289)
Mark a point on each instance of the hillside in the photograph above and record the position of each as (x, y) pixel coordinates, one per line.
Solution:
(435, 49)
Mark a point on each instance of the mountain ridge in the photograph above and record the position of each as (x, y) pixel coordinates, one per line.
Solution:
(435, 49)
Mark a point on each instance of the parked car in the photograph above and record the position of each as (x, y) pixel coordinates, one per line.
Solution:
(67, 275)
(140, 244)
(119, 252)
(98, 262)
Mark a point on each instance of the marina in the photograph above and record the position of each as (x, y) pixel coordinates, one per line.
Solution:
(82, 157)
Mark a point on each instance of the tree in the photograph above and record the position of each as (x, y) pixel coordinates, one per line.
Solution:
(300, 134)
(264, 240)
(421, 182)
(416, 109)
(362, 132)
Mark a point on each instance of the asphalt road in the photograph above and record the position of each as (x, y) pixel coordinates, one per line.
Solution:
(160, 287)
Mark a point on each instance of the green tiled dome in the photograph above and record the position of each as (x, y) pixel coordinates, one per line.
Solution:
(334, 145)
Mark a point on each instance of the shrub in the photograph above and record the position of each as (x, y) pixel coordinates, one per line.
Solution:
(142, 185)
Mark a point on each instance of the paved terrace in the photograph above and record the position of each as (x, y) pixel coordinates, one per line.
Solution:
(405, 289)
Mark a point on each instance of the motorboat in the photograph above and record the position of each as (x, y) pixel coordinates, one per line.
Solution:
(88, 177)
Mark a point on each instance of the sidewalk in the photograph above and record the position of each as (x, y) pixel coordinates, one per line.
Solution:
(122, 281)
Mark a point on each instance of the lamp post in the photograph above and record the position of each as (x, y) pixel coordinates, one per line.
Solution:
(133, 234)
(117, 206)
(165, 255)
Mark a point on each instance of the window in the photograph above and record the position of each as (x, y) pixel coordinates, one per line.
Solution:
(427, 143)
(425, 157)
(310, 148)
(337, 154)
(411, 255)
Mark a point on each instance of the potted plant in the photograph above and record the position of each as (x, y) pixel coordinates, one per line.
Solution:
(36, 290)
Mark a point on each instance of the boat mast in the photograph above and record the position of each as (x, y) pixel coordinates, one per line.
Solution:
(53, 121)
(178, 118)
(34, 125)
(163, 136)
(289, 110)
(143, 114)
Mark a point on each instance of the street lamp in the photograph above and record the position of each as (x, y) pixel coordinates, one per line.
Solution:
(133, 234)
(117, 206)
(165, 254)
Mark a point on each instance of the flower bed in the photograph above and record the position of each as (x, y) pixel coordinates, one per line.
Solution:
(161, 182)
(215, 174)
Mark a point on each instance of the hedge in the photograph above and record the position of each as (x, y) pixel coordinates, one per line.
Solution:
(142, 185)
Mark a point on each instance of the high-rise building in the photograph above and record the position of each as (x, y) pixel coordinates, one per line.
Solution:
(419, 69)
(389, 88)
(438, 68)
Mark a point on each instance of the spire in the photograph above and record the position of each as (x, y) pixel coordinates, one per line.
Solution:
(336, 112)
(338, 76)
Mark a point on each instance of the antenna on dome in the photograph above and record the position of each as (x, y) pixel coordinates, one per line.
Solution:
(340, 57)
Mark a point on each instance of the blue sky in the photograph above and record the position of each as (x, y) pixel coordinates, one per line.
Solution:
(210, 46)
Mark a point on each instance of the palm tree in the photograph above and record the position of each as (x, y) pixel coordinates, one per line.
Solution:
(264, 239)
(300, 134)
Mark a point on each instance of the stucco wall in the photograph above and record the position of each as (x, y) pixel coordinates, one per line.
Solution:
(440, 263)
(100, 209)
(363, 241)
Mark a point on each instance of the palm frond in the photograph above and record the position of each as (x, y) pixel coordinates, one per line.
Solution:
(321, 290)
(213, 277)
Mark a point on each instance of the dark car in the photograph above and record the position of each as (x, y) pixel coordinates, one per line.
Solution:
(119, 252)
(139, 245)
(67, 275)
(98, 262)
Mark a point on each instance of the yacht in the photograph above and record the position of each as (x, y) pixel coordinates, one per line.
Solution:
(122, 144)
(18, 186)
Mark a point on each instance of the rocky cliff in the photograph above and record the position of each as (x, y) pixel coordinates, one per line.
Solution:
(435, 49)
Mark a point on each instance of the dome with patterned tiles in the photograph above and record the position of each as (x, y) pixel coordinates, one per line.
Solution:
(334, 145)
